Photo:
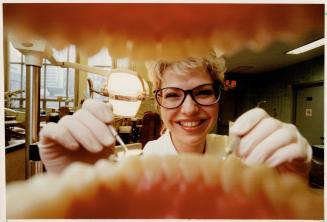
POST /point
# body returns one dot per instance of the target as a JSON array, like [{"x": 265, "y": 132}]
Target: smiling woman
[{"x": 187, "y": 92}]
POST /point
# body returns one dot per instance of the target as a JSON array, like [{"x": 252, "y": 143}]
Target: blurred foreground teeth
[{"x": 171, "y": 186}]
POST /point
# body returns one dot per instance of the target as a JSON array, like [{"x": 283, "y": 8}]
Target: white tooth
[
  {"x": 80, "y": 178},
  {"x": 307, "y": 205},
  {"x": 25, "y": 199},
  {"x": 264, "y": 180},
  {"x": 107, "y": 174},
  {"x": 151, "y": 165},
  {"x": 189, "y": 166},
  {"x": 252, "y": 179},
  {"x": 231, "y": 169},
  {"x": 211, "y": 169},
  {"x": 288, "y": 193},
  {"x": 18, "y": 191},
  {"x": 256, "y": 181},
  {"x": 131, "y": 170},
  {"x": 190, "y": 124},
  {"x": 170, "y": 168},
  {"x": 285, "y": 192}
]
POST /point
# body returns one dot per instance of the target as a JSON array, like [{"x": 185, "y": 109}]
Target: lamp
[
  {"x": 126, "y": 90},
  {"x": 307, "y": 47}
]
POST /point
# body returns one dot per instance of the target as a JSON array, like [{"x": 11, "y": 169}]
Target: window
[
  {"x": 58, "y": 83},
  {"x": 55, "y": 81},
  {"x": 17, "y": 79},
  {"x": 122, "y": 63},
  {"x": 102, "y": 60}
]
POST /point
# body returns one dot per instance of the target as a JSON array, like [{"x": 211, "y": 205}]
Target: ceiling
[{"x": 272, "y": 57}]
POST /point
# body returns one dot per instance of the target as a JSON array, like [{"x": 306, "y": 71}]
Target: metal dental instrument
[
  {"x": 115, "y": 157},
  {"x": 120, "y": 141},
  {"x": 233, "y": 143}
]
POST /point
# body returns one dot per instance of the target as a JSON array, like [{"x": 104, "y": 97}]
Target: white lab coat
[{"x": 163, "y": 145}]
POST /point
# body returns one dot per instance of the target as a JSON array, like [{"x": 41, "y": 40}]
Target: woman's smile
[{"x": 191, "y": 125}]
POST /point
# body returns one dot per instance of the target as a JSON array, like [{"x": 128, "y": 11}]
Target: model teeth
[
  {"x": 300, "y": 204},
  {"x": 284, "y": 194},
  {"x": 170, "y": 168},
  {"x": 20, "y": 194},
  {"x": 107, "y": 174},
  {"x": 211, "y": 170},
  {"x": 230, "y": 168},
  {"x": 252, "y": 179},
  {"x": 131, "y": 170},
  {"x": 80, "y": 178},
  {"x": 151, "y": 165},
  {"x": 291, "y": 193},
  {"x": 190, "y": 124},
  {"x": 190, "y": 171}
]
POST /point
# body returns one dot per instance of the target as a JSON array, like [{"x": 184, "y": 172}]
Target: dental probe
[
  {"x": 233, "y": 143},
  {"x": 120, "y": 141}
]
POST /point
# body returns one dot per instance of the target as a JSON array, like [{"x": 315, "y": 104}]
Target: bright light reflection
[
  {"x": 308, "y": 47},
  {"x": 125, "y": 84},
  {"x": 125, "y": 108}
]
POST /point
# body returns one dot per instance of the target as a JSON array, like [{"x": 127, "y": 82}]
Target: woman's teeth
[{"x": 190, "y": 124}]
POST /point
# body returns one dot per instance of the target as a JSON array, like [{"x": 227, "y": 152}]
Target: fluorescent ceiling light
[{"x": 308, "y": 47}]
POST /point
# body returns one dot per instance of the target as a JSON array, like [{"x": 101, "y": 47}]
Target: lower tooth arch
[{"x": 199, "y": 187}]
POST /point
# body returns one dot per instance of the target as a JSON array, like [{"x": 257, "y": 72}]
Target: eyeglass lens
[{"x": 172, "y": 97}]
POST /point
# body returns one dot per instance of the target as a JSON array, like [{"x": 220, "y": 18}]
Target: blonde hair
[{"x": 213, "y": 65}]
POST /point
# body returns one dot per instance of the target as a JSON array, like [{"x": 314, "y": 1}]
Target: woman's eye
[
  {"x": 204, "y": 93},
  {"x": 171, "y": 95}
]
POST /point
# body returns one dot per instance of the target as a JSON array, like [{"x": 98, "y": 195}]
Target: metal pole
[
  {"x": 34, "y": 51},
  {"x": 33, "y": 85}
]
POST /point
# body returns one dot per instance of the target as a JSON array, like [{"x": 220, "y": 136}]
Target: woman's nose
[{"x": 189, "y": 106}]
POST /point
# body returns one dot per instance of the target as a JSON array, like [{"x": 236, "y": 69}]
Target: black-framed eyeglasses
[{"x": 173, "y": 97}]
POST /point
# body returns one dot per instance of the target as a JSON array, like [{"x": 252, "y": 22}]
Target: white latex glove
[
  {"x": 83, "y": 136},
  {"x": 265, "y": 140}
]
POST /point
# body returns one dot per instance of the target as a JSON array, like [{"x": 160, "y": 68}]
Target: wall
[
  {"x": 15, "y": 164},
  {"x": 277, "y": 87},
  {"x": 149, "y": 103}
]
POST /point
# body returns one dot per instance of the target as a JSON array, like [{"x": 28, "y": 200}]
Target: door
[{"x": 309, "y": 113}]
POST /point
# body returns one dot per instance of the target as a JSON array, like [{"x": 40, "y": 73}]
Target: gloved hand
[
  {"x": 83, "y": 136},
  {"x": 265, "y": 140}
]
